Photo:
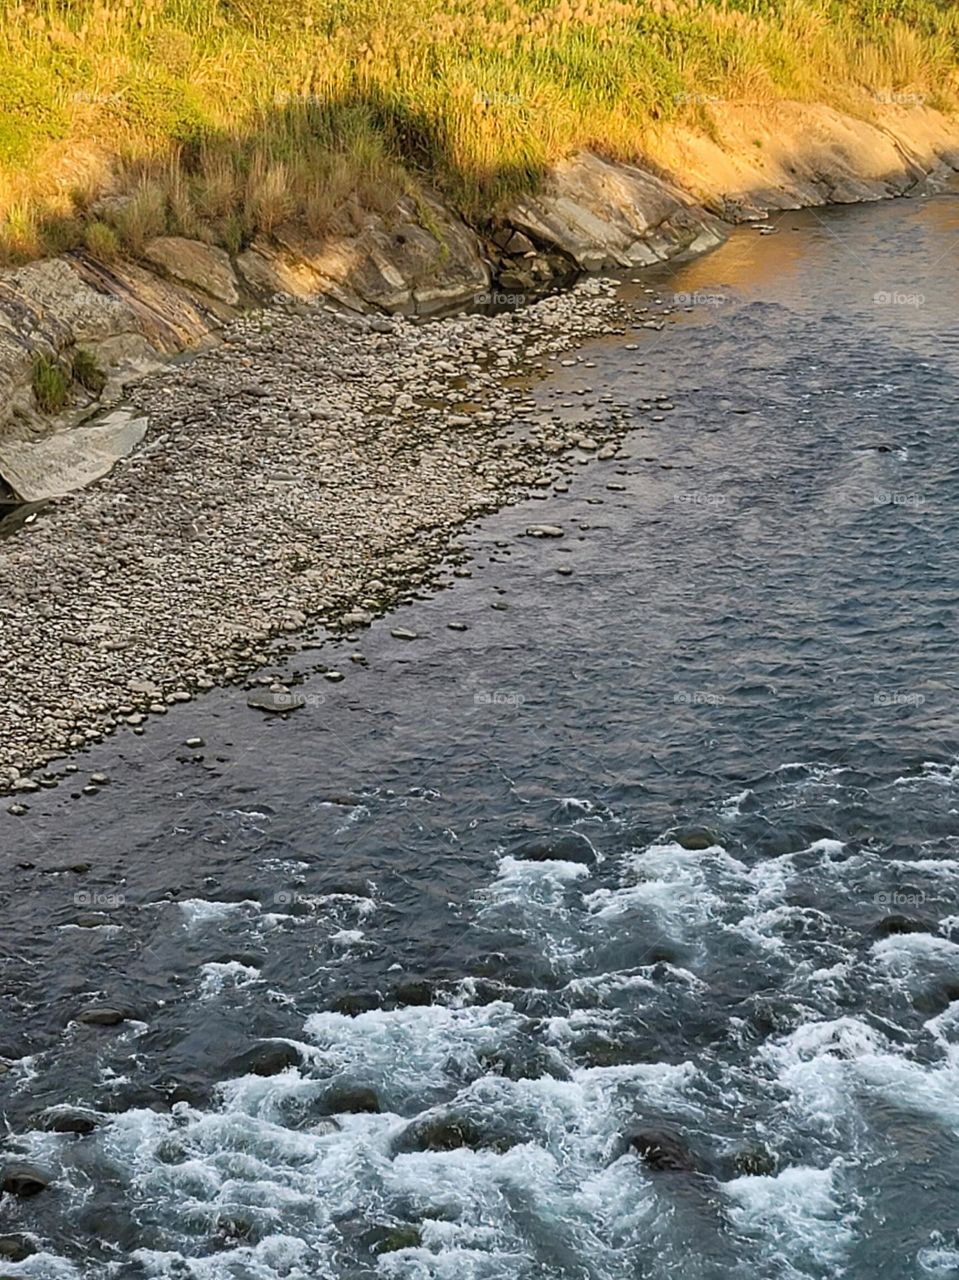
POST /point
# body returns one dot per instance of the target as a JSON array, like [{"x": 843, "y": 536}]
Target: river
[{"x": 609, "y": 932}]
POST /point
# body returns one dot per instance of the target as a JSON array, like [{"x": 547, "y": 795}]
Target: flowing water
[{"x": 663, "y": 845}]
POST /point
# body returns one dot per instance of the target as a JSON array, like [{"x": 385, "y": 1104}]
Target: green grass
[
  {"x": 51, "y": 384},
  {"x": 222, "y": 118}
]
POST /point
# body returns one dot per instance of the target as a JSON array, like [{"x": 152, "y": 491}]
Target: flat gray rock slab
[{"x": 62, "y": 463}]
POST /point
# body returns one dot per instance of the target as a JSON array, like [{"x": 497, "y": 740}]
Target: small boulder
[
  {"x": 101, "y": 1015},
  {"x": 663, "y": 1152},
  {"x": 15, "y": 1248},
  {"x": 569, "y": 846},
  {"x": 267, "y": 1059},
  {"x": 18, "y": 1178},
  {"x": 452, "y": 1133},
  {"x": 275, "y": 701},
  {"x": 67, "y": 1120},
  {"x": 347, "y": 1101},
  {"x": 696, "y": 838},
  {"x": 394, "y": 1238},
  {"x": 755, "y": 1163},
  {"x": 894, "y": 924}
]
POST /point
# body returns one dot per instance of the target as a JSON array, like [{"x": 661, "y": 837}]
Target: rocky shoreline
[
  {"x": 315, "y": 466},
  {"x": 314, "y": 462}
]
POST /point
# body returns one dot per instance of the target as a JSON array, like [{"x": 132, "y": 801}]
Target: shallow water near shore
[{"x": 664, "y": 841}]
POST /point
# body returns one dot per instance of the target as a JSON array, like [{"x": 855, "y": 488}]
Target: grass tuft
[{"x": 51, "y": 384}]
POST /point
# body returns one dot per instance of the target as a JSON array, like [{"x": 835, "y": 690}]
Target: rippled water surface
[{"x": 665, "y": 845}]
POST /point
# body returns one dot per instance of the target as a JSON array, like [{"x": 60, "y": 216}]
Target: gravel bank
[{"x": 315, "y": 466}]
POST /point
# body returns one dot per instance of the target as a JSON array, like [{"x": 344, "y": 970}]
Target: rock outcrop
[{"x": 419, "y": 258}]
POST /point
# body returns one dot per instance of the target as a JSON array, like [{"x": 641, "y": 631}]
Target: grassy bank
[{"x": 222, "y": 118}]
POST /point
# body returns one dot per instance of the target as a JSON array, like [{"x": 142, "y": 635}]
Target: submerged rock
[
  {"x": 267, "y": 1059},
  {"x": 356, "y": 1101},
  {"x": 67, "y": 1120},
  {"x": 451, "y": 1133},
  {"x": 101, "y": 1016},
  {"x": 696, "y": 838},
  {"x": 395, "y": 1238},
  {"x": 275, "y": 701},
  {"x": 664, "y": 1152},
  {"x": 568, "y": 846},
  {"x": 20, "y": 1178},
  {"x": 15, "y": 1247},
  {"x": 755, "y": 1163},
  {"x": 895, "y": 924}
]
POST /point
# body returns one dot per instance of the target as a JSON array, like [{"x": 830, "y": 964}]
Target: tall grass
[{"x": 121, "y": 119}]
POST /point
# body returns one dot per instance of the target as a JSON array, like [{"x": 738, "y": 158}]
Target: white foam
[
  {"x": 200, "y": 911},
  {"x": 797, "y": 1214},
  {"x": 216, "y": 975},
  {"x": 673, "y": 882},
  {"x": 732, "y": 807},
  {"x": 410, "y": 1050},
  {"x": 347, "y": 937},
  {"x": 819, "y": 1064},
  {"x": 911, "y": 950}
]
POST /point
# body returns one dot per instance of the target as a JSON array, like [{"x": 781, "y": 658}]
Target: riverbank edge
[
  {"x": 592, "y": 214},
  {"x": 71, "y": 526}
]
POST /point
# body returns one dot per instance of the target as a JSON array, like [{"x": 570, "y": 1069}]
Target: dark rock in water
[
  {"x": 355, "y": 1002},
  {"x": 529, "y": 1061},
  {"x": 567, "y": 846},
  {"x": 170, "y": 1151},
  {"x": 696, "y": 838},
  {"x": 101, "y": 1015},
  {"x": 351, "y": 1102},
  {"x": 415, "y": 992},
  {"x": 664, "y": 1152},
  {"x": 755, "y": 1163},
  {"x": 267, "y": 1059},
  {"x": 234, "y": 1227},
  {"x": 901, "y": 924},
  {"x": 375, "y": 1238},
  {"x": 936, "y": 999},
  {"x": 394, "y": 1238},
  {"x": 67, "y": 1120},
  {"x": 18, "y": 1178},
  {"x": 451, "y": 1133},
  {"x": 14, "y": 1248}
]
